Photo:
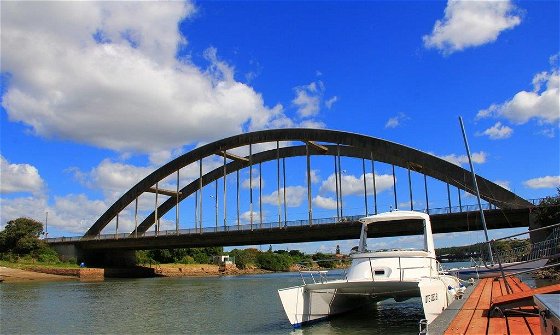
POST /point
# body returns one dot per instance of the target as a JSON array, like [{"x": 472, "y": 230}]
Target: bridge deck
[{"x": 297, "y": 231}]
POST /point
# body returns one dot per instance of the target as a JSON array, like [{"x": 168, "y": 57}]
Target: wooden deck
[{"x": 474, "y": 316}]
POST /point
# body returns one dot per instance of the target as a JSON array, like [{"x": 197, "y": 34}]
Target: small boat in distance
[{"x": 374, "y": 276}]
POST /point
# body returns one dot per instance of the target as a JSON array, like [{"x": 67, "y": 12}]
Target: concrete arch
[{"x": 350, "y": 144}]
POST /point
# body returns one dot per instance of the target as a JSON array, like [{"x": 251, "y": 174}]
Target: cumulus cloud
[
  {"x": 396, "y": 121},
  {"x": 105, "y": 74},
  {"x": 353, "y": 185},
  {"x": 309, "y": 98},
  {"x": 498, "y": 131},
  {"x": 324, "y": 202},
  {"x": 543, "y": 182},
  {"x": 73, "y": 213},
  {"x": 471, "y": 24},
  {"x": 477, "y": 157},
  {"x": 16, "y": 178},
  {"x": 541, "y": 104},
  {"x": 254, "y": 182},
  {"x": 295, "y": 195}
]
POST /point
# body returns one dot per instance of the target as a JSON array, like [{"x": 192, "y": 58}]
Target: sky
[{"x": 96, "y": 95}]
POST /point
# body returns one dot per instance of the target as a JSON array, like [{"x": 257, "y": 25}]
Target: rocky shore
[{"x": 202, "y": 270}]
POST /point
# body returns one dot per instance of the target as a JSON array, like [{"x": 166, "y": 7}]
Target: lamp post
[{"x": 46, "y": 224}]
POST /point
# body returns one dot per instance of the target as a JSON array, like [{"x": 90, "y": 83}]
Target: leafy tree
[
  {"x": 324, "y": 260},
  {"x": 245, "y": 258},
  {"x": 274, "y": 262},
  {"x": 21, "y": 236},
  {"x": 548, "y": 211}
]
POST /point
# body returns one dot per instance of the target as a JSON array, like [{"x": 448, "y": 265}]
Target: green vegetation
[
  {"x": 464, "y": 253},
  {"x": 548, "y": 211},
  {"x": 178, "y": 256},
  {"x": 20, "y": 243},
  {"x": 250, "y": 258}
]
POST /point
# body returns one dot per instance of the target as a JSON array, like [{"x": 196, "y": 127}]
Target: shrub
[{"x": 274, "y": 262}]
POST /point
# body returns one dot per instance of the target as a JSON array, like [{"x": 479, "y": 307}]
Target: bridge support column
[
  {"x": 96, "y": 258},
  {"x": 68, "y": 252}
]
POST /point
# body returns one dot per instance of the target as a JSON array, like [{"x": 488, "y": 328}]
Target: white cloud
[
  {"x": 477, "y": 157},
  {"x": 295, "y": 195},
  {"x": 396, "y": 121},
  {"x": 308, "y": 99},
  {"x": 324, "y": 202},
  {"x": 330, "y": 102},
  {"x": 498, "y": 131},
  {"x": 470, "y": 24},
  {"x": 543, "y": 182},
  {"x": 315, "y": 177},
  {"x": 541, "y": 103},
  {"x": 105, "y": 74},
  {"x": 255, "y": 181},
  {"x": 352, "y": 185},
  {"x": 19, "y": 178},
  {"x": 70, "y": 214}
]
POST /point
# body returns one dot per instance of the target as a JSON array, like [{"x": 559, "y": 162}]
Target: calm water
[{"x": 221, "y": 305}]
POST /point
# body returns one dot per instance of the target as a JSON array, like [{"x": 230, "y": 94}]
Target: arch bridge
[{"x": 190, "y": 176}]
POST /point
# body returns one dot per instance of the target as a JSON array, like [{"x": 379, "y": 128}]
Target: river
[{"x": 216, "y": 305}]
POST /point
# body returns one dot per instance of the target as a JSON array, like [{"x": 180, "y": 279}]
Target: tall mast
[{"x": 477, "y": 191}]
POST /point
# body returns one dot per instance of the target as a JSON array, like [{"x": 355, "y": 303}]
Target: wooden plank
[
  {"x": 513, "y": 285},
  {"x": 521, "y": 284},
  {"x": 517, "y": 326},
  {"x": 479, "y": 321},
  {"x": 497, "y": 325},
  {"x": 460, "y": 323},
  {"x": 534, "y": 324},
  {"x": 525, "y": 295}
]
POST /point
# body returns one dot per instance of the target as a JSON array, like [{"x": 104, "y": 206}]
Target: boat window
[{"x": 379, "y": 272}]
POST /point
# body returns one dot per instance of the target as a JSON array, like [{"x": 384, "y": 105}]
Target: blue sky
[{"x": 96, "y": 95}]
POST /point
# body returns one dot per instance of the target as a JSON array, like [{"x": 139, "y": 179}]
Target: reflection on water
[{"x": 220, "y": 305}]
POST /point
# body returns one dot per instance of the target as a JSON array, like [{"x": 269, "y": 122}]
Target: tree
[
  {"x": 546, "y": 213},
  {"x": 21, "y": 236},
  {"x": 274, "y": 262}
]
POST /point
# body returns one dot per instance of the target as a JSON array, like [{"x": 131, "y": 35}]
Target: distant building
[{"x": 222, "y": 260}]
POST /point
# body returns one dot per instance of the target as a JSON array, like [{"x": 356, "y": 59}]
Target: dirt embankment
[
  {"x": 36, "y": 273},
  {"x": 202, "y": 270},
  {"x": 10, "y": 275}
]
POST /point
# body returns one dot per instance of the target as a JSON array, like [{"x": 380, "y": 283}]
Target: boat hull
[{"x": 315, "y": 302}]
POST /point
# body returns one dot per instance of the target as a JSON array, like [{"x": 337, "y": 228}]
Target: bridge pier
[{"x": 96, "y": 258}]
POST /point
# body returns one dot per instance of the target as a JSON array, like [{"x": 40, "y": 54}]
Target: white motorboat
[{"x": 375, "y": 276}]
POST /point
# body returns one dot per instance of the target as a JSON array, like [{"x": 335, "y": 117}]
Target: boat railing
[{"x": 317, "y": 274}]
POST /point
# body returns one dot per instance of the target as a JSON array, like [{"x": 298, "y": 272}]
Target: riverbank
[
  {"x": 12, "y": 275},
  {"x": 28, "y": 273},
  {"x": 202, "y": 270}
]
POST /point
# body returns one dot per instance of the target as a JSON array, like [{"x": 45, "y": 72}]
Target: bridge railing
[{"x": 269, "y": 225}]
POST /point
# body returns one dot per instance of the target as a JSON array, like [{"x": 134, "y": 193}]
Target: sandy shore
[{"x": 10, "y": 275}]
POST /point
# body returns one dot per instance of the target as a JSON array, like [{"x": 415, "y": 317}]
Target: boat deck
[{"x": 474, "y": 316}]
